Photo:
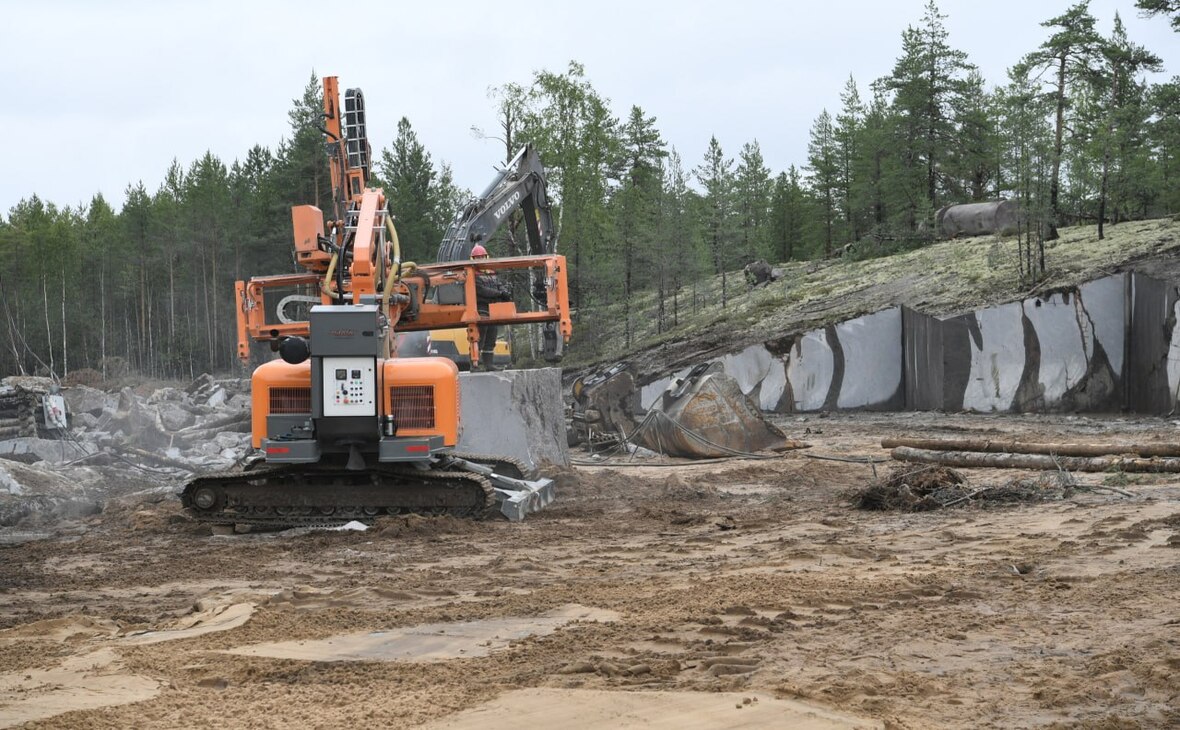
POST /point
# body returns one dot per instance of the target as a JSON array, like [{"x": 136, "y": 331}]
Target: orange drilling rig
[{"x": 345, "y": 430}]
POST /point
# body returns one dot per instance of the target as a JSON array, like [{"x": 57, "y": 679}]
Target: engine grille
[
  {"x": 290, "y": 400},
  {"x": 412, "y": 405}
]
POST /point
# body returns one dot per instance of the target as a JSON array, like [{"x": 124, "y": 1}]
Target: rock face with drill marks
[
  {"x": 1102, "y": 346},
  {"x": 518, "y": 413}
]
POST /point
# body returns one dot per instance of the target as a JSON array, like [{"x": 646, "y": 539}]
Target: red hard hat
[{"x": 478, "y": 250}]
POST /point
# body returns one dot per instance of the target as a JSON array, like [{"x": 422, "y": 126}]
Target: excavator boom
[{"x": 521, "y": 184}]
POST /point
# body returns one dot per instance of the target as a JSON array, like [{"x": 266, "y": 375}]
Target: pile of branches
[{"x": 920, "y": 488}]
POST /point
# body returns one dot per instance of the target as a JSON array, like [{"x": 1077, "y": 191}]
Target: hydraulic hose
[
  {"x": 326, "y": 287},
  {"x": 397, "y": 246},
  {"x": 395, "y": 268}
]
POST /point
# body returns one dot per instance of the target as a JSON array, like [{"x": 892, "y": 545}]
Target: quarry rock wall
[{"x": 1108, "y": 345}]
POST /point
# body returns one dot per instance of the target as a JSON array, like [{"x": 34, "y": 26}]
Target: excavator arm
[{"x": 521, "y": 184}]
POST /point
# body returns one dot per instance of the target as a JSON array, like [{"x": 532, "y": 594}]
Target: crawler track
[{"x": 294, "y": 495}]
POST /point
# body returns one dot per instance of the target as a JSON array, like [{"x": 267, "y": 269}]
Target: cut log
[
  {"x": 1011, "y": 446},
  {"x": 969, "y": 459}
]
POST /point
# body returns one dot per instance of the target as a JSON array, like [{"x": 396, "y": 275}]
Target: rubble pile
[
  {"x": 920, "y": 488},
  {"x": 115, "y": 443}
]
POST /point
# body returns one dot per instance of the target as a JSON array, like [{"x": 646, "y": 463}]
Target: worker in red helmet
[{"x": 488, "y": 288}]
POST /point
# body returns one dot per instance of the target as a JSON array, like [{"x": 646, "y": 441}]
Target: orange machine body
[
  {"x": 307, "y": 221},
  {"x": 422, "y": 394}
]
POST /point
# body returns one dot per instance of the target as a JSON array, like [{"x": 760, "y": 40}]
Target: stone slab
[
  {"x": 872, "y": 347},
  {"x": 518, "y": 413},
  {"x": 1153, "y": 337}
]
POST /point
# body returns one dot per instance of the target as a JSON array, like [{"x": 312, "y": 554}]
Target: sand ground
[{"x": 743, "y": 593}]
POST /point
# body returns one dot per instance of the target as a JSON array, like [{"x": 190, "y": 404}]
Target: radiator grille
[
  {"x": 290, "y": 400},
  {"x": 412, "y": 405}
]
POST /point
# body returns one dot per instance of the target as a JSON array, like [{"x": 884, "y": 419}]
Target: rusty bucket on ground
[{"x": 705, "y": 415}]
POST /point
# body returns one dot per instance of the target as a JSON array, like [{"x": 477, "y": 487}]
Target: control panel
[{"x": 350, "y": 386}]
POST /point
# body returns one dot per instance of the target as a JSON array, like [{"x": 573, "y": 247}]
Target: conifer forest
[{"x": 1075, "y": 133}]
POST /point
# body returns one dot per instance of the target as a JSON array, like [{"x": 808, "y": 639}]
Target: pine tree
[
  {"x": 874, "y": 161},
  {"x": 302, "y": 158},
  {"x": 411, "y": 187},
  {"x": 1164, "y": 135},
  {"x": 847, "y": 133},
  {"x": 169, "y": 234},
  {"x": 715, "y": 174},
  {"x": 1026, "y": 140},
  {"x": 1067, "y": 53},
  {"x": 788, "y": 212},
  {"x": 207, "y": 206},
  {"x": 973, "y": 164},
  {"x": 926, "y": 82},
  {"x": 679, "y": 254},
  {"x": 1170, "y": 8},
  {"x": 1120, "y": 133},
  {"x": 752, "y": 192},
  {"x": 823, "y": 167},
  {"x": 102, "y": 252},
  {"x": 573, "y": 125},
  {"x": 136, "y": 217},
  {"x": 638, "y": 203}
]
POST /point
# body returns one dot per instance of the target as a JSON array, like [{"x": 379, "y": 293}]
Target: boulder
[
  {"x": 759, "y": 272},
  {"x": 30, "y": 383},
  {"x": 30, "y": 449},
  {"x": 30, "y": 491},
  {"x": 1000, "y": 217},
  {"x": 203, "y": 383},
  {"x": 231, "y": 440},
  {"x": 165, "y": 395},
  {"x": 84, "y": 420},
  {"x": 82, "y": 399},
  {"x": 139, "y": 423},
  {"x": 174, "y": 417},
  {"x": 217, "y": 398}
]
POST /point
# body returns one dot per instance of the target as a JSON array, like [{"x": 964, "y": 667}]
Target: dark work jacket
[{"x": 489, "y": 289}]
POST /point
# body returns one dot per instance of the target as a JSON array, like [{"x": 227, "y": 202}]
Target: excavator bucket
[{"x": 705, "y": 415}]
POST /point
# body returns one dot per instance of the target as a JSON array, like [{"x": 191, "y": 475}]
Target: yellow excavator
[{"x": 343, "y": 428}]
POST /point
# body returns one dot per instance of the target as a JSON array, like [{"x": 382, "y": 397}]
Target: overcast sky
[{"x": 101, "y": 94}]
